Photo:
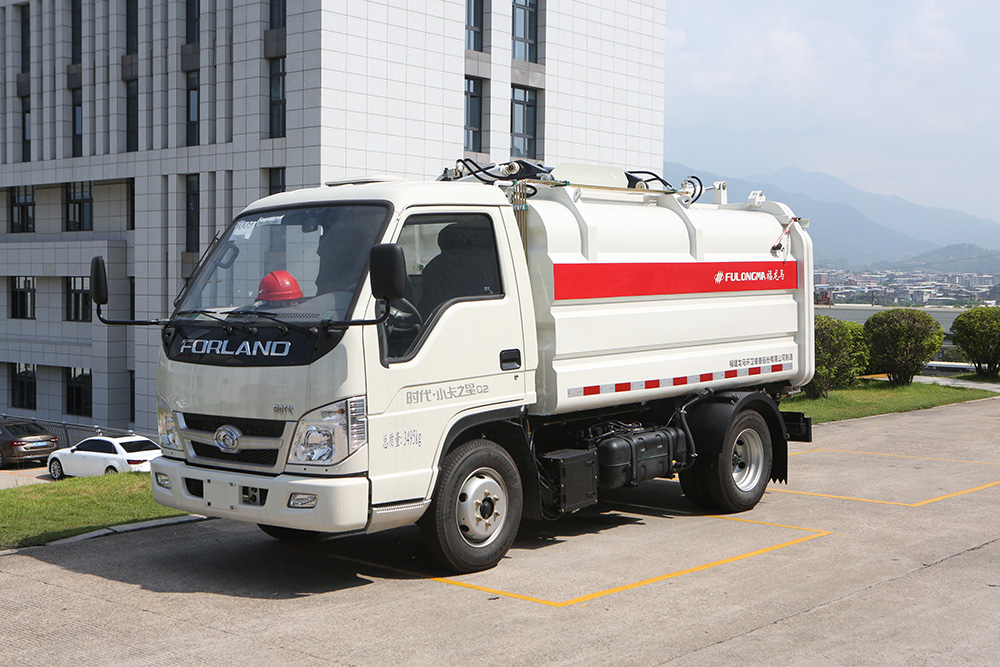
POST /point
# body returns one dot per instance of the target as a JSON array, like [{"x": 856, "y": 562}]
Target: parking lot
[{"x": 884, "y": 548}]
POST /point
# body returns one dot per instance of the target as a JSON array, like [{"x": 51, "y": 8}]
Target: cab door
[{"x": 454, "y": 347}]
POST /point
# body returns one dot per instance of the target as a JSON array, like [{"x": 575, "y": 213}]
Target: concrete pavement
[{"x": 883, "y": 549}]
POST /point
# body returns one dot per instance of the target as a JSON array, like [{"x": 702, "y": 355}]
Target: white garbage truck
[{"x": 507, "y": 341}]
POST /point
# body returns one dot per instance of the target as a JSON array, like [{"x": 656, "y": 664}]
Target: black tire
[
  {"x": 476, "y": 510},
  {"x": 56, "y": 469},
  {"x": 110, "y": 470},
  {"x": 290, "y": 534},
  {"x": 694, "y": 489},
  {"x": 737, "y": 477},
  {"x": 3, "y": 459}
]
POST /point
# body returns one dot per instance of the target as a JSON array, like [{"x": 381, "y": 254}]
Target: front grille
[
  {"x": 256, "y": 428},
  {"x": 257, "y": 457}
]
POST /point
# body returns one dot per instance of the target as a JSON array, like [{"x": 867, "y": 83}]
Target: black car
[{"x": 20, "y": 440}]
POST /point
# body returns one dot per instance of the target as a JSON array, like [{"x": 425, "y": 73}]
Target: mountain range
[{"x": 855, "y": 229}]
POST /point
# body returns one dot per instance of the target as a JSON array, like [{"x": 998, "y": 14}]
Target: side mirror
[
  {"x": 388, "y": 272},
  {"x": 98, "y": 281}
]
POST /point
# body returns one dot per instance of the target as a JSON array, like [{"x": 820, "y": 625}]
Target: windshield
[{"x": 300, "y": 264}]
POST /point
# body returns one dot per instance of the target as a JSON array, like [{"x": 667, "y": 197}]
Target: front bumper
[{"x": 341, "y": 502}]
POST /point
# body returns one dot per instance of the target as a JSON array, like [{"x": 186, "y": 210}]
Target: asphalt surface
[{"x": 883, "y": 549}]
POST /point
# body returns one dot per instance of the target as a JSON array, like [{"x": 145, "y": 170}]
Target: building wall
[{"x": 370, "y": 87}]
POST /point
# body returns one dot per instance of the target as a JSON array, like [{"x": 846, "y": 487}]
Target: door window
[{"x": 449, "y": 258}]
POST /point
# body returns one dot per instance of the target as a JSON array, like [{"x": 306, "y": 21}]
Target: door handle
[{"x": 510, "y": 360}]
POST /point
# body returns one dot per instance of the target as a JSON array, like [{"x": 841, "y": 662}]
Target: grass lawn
[
  {"x": 972, "y": 377},
  {"x": 873, "y": 397},
  {"x": 40, "y": 513}
]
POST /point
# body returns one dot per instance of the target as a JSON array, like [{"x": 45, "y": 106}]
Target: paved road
[
  {"x": 22, "y": 473},
  {"x": 884, "y": 549}
]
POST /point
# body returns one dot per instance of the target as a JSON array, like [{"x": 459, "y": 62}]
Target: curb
[
  {"x": 115, "y": 530},
  {"x": 129, "y": 528}
]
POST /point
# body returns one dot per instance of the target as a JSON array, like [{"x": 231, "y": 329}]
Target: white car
[{"x": 103, "y": 455}]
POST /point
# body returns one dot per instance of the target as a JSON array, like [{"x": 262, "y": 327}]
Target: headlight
[
  {"x": 166, "y": 423},
  {"x": 330, "y": 434}
]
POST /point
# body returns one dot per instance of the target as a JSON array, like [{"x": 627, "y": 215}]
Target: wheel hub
[
  {"x": 480, "y": 507},
  {"x": 748, "y": 460}
]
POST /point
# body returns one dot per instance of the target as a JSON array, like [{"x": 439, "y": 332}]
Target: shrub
[
  {"x": 901, "y": 341},
  {"x": 841, "y": 355},
  {"x": 977, "y": 332},
  {"x": 954, "y": 354}
]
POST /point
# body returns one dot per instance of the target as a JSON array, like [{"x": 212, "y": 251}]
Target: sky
[{"x": 893, "y": 96}]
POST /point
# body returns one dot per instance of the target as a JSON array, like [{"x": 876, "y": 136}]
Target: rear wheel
[
  {"x": 289, "y": 534},
  {"x": 110, "y": 470},
  {"x": 736, "y": 478},
  {"x": 56, "y": 469},
  {"x": 476, "y": 510}
]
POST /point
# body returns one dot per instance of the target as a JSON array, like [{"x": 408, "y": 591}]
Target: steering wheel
[{"x": 403, "y": 316}]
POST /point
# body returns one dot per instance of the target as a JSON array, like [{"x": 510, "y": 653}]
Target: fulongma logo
[
  {"x": 772, "y": 275},
  {"x": 271, "y": 348}
]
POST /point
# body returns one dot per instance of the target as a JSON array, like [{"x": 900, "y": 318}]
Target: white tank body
[{"x": 638, "y": 296}]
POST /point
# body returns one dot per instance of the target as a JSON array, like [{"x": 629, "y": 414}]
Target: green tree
[
  {"x": 841, "y": 355},
  {"x": 901, "y": 341},
  {"x": 977, "y": 332}
]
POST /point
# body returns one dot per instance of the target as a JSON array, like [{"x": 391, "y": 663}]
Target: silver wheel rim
[
  {"x": 55, "y": 469},
  {"x": 481, "y": 507},
  {"x": 748, "y": 460}
]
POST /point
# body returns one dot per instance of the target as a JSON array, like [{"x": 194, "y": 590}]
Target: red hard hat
[{"x": 278, "y": 286}]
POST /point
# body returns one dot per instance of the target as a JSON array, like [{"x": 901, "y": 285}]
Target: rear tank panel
[{"x": 638, "y": 296}]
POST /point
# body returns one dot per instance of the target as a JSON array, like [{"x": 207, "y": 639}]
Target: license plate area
[{"x": 221, "y": 495}]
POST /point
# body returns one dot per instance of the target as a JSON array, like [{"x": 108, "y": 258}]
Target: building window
[
  {"x": 131, "y": 297},
  {"x": 192, "y": 16},
  {"x": 523, "y": 123},
  {"x": 23, "y": 385},
  {"x": 77, "y": 299},
  {"x": 525, "y": 30},
  {"x": 25, "y": 129},
  {"x": 192, "y": 108},
  {"x": 76, "y": 29},
  {"x": 131, "y": 396},
  {"x": 131, "y": 26},
  {"x": 132, "y": 115},
  {"x": 130, "y": 213},
  {"x": 79, "y": 207},
  {"x": 277, "y": 67},
  {"x": 77, "y": 122},
  {"x": 22, "y": 298},
  {"x": 278, "y": 13},
  {"x": 79, "y": 392},
  {"x": 191, "y": 221},
  {"x": 275, "y": 180},
  {"x": 473, "y": 115},
  {"x": 25, "y": 38},
  {"x": 22, "y": 210},
  {"x": 474, "y": 25}
]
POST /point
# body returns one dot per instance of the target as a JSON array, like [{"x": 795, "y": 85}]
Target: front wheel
[
  {"x": 736, "y": 478},
  {"x": 56, "y": 469},
  {"x": 476, "y": 510}
]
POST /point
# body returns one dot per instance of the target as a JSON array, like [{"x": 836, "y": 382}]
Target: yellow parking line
[
  {"x": 592, "y": 596},
  {"x": 952, "y": 495},
  {"x": 829, "y": 495}
]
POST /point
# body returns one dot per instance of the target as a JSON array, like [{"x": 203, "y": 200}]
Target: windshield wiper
[
  {"x": 226, "y": 325},
  {"x": 284, "y": 326}
]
